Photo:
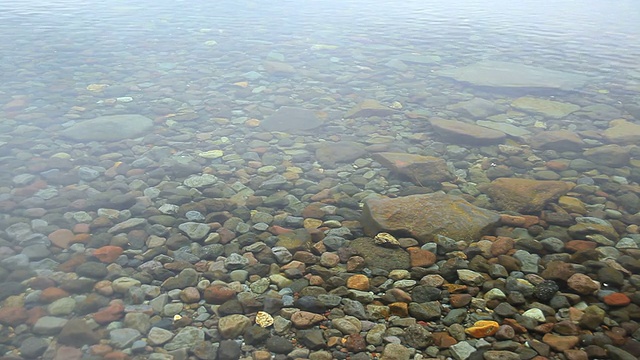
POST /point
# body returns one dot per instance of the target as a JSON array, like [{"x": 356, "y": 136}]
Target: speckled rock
[
  {"x": 525, "y": 195},
  {"x": 426, "y": 216}
]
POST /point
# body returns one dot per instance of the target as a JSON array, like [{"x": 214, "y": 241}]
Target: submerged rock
[
  {"x": 421, "y": 170},
  {"x": 461, "y": 132},
  {"x": 554, "y": 109},
  {"x": 623, "y": 132},
  {"x": 287, "y": 119},
  {"x": 525, "y": 195},
  {"x": 109, "y": 128},
  {"x": 423, "y": 217},
  {"x": 514, "y": 75}
]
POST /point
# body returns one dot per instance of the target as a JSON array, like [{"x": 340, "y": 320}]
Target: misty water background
[{"x": 52, "y": 45}]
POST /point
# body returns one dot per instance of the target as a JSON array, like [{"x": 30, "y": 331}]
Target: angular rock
[
  {"x": 421, "y": 170},
  {"x": 423, "y": 217},
  {"x": 381, "y": 257},
  {"x": 559, "y": 140},
  {"x": 525, "y": 195},
  {"x": 287, "y": 119},
  {"x": 504, "y": 74},
  {"x": 76, "y": 332},
  {"x": 368, "y": 108},
  {"x": 548, "y": 108},
  {"x": 467, "y": 133},
  {"x": 623, "y": 132},
  {"x": 330, "y": 153}
]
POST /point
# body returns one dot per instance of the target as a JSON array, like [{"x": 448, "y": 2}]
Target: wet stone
[
  {"x": 33, "y": 347},
  {"x": 123, "y": 338}
]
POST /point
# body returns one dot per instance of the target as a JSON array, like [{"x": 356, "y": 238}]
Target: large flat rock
[
  {"x": 425, "y": 216},
  {"x": 421, "y": 170},
  {"x": 109, "y": 128},
  {"x": 291, "y": 119},
  {"x": 460, "y": 132},
  {"x": 525, "y": 196},
  {"x": 513, "y": 75}
]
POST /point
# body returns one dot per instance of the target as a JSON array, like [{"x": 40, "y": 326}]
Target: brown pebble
[
  {"x": 218, "y": 294},
  {"x": 505, "y": 332},
  {"x": 443, "y": 340},
  {"x": 355, "y": 343},
  {"x": 61, "y": 238},
  {"x": 13, "y": 315},
  {"x": 111, "y": 313},
  {"x": 400, "y": 309},
  {"x": 305, "y": 319},
  {"x": 559, "y": 342},
  {"x": 358, "y": 282},
  {"x": 460, "y": 300},
  {"x": 52, "y": 294},
  {"x": 190, "y": 295},
  {"x": 582, "y": 284},
  {"x": 420, "y": 257},
  {"x": 108, "y": 254},
  {"x": 502, "y": 246}
]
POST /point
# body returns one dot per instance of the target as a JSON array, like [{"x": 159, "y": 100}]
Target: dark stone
[
  {"x": 312, "y": 339},
  {"x": 77, "y": 333},
  {"x": 33, "y": 347},
  {"x": 546, "y": 290},
  {"x": 92, "y": 269},
  {"x": 230, "y": 307},
  {"x": 417, "y": 336},
  {"x": 256, "y": 335},
  {"x": 10, "y": 288},
  {"x": 311, "y": 304},
  {"x": 423, "y": 293},
  {"x": 279, "y": 345},
  {"x": 229, "y": 350}
]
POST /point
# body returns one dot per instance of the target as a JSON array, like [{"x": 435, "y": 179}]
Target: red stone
[
  {"x": 278, "y": 230},
  {"x": 218, "y": 294},
  {"x": 108, "y": 254},
  {"x": 35, "y": 314},
  {"x": 502, "y": 246},
  {"x": 355, "y": 343},
  {"x": 617, "y": 299},
  {"x": 420, "y": 257},
  {"x": 580, "y": 245},
  {"x": 116, "y": 355},
  {"x": 111, "y": 313},
  {"x": 52, "y": 294},
  {"x": 13, "y": 315},
  {"x": 61, "y": 238}
]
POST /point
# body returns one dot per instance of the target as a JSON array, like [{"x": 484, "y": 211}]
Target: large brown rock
[
  {"x": 425, "y": 216},
  {"x": 462, "y": 132},
  {"x": 421, "y": 170},
  {"x": 623, "y": 132},
  {"x": 559, "y": 140},
  {"x": 525, "y": 196}
]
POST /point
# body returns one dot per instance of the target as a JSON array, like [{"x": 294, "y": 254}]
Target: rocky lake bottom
[{"x": 341, "y": 197}]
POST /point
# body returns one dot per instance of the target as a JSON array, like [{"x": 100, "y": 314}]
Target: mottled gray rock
[
  {"x": 288, "y": 119},
  {"x": 514, "y": 75},
  {"x": 158, "y": 336},
  {"x": 186, "y": 338},
  {"x": 109, "y": 128},
  {"x": 194, "y": 230},
  {"x": 49, "y": 325},
  {"x": 33, "y": 347},
  {"x": 123, "y": 338}
]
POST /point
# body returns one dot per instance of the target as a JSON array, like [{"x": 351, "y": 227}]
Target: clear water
[{"x": 65, "y": 45}]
